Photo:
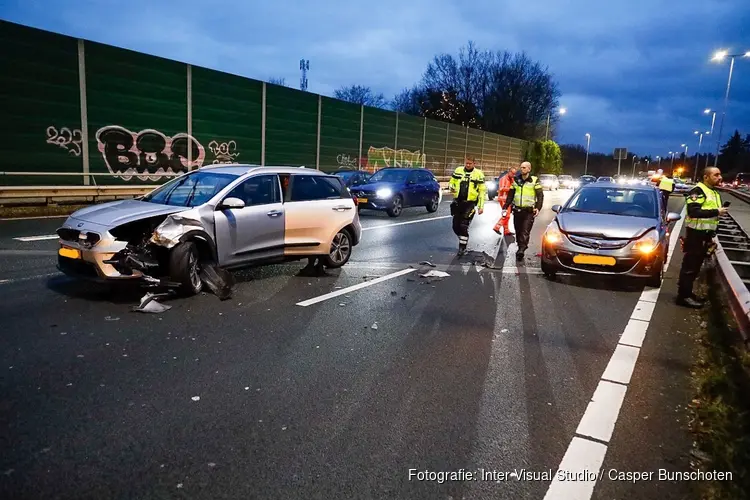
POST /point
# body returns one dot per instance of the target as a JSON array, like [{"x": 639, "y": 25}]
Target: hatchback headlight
[
  {"x": 647, "y": 243},
  {"x": 384, "y": 193},
  {"x": 552, "y": 234}
]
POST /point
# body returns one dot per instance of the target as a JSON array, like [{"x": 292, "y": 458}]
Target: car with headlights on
[
  {"x": 586, "y": 179},
  {"x": 392, "y": 189},
  {"x": 567, "y": 181},
  {"x": 226, "y": 216},
  {"x": 549, "y": 181},
  {"x": 609, "y": 229}
]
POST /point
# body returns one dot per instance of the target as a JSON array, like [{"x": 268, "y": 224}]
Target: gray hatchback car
[
  {"x": 227, "y": 215},
  {"x": 609, "y": 229}
]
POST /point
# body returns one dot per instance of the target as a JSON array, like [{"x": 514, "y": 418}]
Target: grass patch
[{"x": 720, "y": 410}]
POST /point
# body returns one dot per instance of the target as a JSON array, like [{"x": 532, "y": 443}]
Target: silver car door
[{"x": 256, "y": 231}]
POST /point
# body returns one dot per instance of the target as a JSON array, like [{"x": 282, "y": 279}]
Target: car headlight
[
  {"x": 647, "y": 243},
  {"x": 491, "y": 185},
  {"x": 552, "y": 234},
  {"x": 384, "y": 193}
]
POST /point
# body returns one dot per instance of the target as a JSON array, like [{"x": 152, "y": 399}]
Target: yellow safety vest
[
  {"x": 710, "y": 200},
  {"x": 666, "y": 184},
  {"x": 477, "y": 189},
  {"x": 525, "y": 195}
]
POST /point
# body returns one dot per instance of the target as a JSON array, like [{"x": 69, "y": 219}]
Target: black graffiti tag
[{"x": 147, "y": 151}]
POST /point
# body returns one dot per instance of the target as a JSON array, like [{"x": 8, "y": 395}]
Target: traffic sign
[{"x": 620, "y": 154}]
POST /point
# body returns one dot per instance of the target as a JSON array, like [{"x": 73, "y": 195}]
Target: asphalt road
[{"x": 259, "y": 397}]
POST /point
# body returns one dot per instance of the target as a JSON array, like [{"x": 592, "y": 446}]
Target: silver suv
[{"x": 227, "y": 215}]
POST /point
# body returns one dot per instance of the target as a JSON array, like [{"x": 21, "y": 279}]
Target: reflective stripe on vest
[
  {"x": 666, "y": 184},
  {"x": 525, "y": 196},
  {"x": 711, "y": 201}
]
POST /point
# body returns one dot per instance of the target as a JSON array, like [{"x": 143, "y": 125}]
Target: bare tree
[
  {"x": 409, "y": 101},
  {"x": 278, "y": 81},
  {"x": 358, "y": 94},
  {"x": 512, "y": 95}
]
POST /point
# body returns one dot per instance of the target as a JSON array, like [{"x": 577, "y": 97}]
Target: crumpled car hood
[{"x": 116, "y": 213}]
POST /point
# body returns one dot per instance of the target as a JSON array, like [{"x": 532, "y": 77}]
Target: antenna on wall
[{"x": 304, "y": 66}]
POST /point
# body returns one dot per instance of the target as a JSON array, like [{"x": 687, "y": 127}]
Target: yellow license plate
[
  {"x": 70, "y": 253},
  {"x": 598, "y": 260},
  {"x": 361, "y": 200}
]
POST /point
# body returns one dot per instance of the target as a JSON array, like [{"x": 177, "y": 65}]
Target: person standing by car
[
  {"x": 503, "y": 188},
  {"x": 526, "y": 195},
  {"x": 666, "y": 186},
  {"x": 703, "y": 210},
  {"x": 468, "y": 188}
]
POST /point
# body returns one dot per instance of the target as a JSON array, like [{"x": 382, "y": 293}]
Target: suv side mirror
[
  {"x": 673, "y": 217},
  {"x": 229, "y": 203},
  {"x": 556, "y": 208}
]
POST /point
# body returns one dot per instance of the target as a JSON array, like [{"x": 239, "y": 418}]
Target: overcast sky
[{"x": 634, "y": 73}]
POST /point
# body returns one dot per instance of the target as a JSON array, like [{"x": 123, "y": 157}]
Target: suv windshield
[
  {"x": 387, "y": 175},
  {"x": 614, "y": 201},
  {"x": 190, "y": 190}
]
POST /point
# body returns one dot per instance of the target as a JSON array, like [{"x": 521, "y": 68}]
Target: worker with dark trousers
[
  {"x": 666, "y": 186},
  {"x": 704, "y": 207},
  {"x": 526, "y": 195},
  {"x": 469, "y": 191}
]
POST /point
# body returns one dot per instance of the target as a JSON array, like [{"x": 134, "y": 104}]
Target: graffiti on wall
[
  {"x": 147, "y": 153},
  {"x": 224, "y": 152},
  {"x": 347, "y": 161},
  {"x": 388, "y": 157},
  {"x": 69, "y": 140}
]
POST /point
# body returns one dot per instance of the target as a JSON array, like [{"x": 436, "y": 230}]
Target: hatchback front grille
[{"x": 597, "y": 243}]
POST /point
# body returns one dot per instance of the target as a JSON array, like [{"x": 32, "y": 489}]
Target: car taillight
[{"x": 356, "y": 201}]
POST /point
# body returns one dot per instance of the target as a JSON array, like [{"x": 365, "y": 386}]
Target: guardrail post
[
  {"x": 263, "y": 128},
  {"x": 497, "y": 154},
  {"x": 484, "y": 134},
  {"x": 395, "y": 144},
  {"x": 84, "y": 111},
  {"x": 466, "y": 143},
  {"x": 317, "y": 151}
]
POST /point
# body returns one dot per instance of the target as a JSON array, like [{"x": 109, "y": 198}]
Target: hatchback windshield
[
  {"x": 614, "y": 201},
  {"x": 191, "y": 190},
  {"x": 387, "y": 175}
]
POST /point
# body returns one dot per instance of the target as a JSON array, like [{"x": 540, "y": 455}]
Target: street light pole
[
  {"x": 588, "y": 146},
  {"x": 672, "y": 166},
  {"x": 562, "y": 112},
  {"x": 719, "y": 56},
  {"x": 713, "y": 120},
  {"x": 697, "y": 155}
]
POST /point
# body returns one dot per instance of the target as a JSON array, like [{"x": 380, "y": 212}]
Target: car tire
[
  {"x": 656, "y": 279},
  {"x": 184, "y": 268},
  {"x": 549, "y": 271},
  {"x": 397, "y": 206},
  {"x": 434, "y": 204},
  {"x": 341, "y": 250}
]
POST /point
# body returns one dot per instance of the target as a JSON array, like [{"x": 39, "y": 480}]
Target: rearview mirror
[
  {"x": 673, "y": 217},
  {"x": 232, "y": 203},
  {"x": 556, "y": 208}
]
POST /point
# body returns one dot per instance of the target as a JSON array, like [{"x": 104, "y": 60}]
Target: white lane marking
[
  {"x": 621, "y": 364},
  {"x": 643, "y": 310},
  {"x": 28, "y": 278},
  {"x": 599, "y": 419},
  {"x": 601, "y": 414},
  {"x": 36, "y": 217},
  {"x": 634, "y": 333},
  {"x": 38, "y": 238},
  {"x": 353, "y": 288},
  {"x": 407, "y": 222},
  {"x": 583, "y": 457}
]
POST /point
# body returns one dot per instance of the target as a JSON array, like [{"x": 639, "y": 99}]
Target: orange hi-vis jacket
[{"x": 503, "y": 187}]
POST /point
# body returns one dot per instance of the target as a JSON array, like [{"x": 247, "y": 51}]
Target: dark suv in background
[{"x": 393, "y": 189}]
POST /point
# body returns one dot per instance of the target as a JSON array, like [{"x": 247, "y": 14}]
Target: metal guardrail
[{"x": 732, "y": 257}]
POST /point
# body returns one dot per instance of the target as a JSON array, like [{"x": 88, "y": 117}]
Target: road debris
[
  {"x": 435, "y": 274},
  {"x": 374, "y": 326},
  {"x": 110, "y": 318},
  {"x": 149, "y": 304},
  {"x": 427, "y": 263},
  {"x": 219, "y": 280},
  {"x": 196, "y": 398}
]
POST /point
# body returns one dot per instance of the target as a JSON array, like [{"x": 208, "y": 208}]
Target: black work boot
[
  {"x": 688, "y": 302},
  {"x": 461, "y": 250}
]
